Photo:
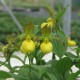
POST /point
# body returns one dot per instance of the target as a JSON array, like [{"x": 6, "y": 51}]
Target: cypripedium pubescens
[
  {"x": 46, "y": 46},
  {"x": 27, "y": 46},
  {"x": 50, "y": 23},
  {"x": 71, "y": 43}
]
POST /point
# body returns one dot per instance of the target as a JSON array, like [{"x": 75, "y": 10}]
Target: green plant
[{"x": 32, "y": 43}]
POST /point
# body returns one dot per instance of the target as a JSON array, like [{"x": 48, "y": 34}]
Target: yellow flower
[
  {"x": 71, "y": 43},
  {"x": 27, "y": 46},
  {"x": 51, "y": 22},
  {"x": 22, "y": 50},
  {"x": 43, "y": 25},
  {"x": 46, "y": 47}
]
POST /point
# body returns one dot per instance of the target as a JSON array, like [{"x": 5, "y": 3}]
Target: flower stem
[
  {"x": 25, "y": 59},
  {"x": 10, "y": 67}
]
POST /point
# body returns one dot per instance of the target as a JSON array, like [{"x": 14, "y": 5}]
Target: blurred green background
[{"x": 7, "y": 25}]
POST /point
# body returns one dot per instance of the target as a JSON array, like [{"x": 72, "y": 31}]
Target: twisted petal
[
  {"x": 44, "y": 25},
  {"x": 51, "y": 22}
]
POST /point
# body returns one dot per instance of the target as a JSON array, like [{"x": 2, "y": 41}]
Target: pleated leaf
[{"x": 60, "y": 44}]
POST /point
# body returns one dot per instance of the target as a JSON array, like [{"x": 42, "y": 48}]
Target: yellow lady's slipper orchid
[
  {"x": 46, "y": 47},
  {"x": 27, "y": 46},
  {"x": 50, "y": 23},
  {"x": 71, "y": 43}
]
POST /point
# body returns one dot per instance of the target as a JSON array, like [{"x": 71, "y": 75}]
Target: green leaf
[
  {"x": 64, "y": 65},
  {"x": 39, "y": 55},
  {"x": 41, "y": 69},
  {"x": 78, "y": 64},
  {"x": 59, "y": 44},
  {"x": 45, "y": 78},
  {"x": 53, "y": 70},
  {"x": 36, "y": 29},
  {"x": 51, "y": 76},
  {"x": 29, "y": 73},
  {"x": 73, "y": 76},
  {"x": 60, "y": 14},
  {"x": 51, "y": 11},
  {"x": 67, "y": 75},
  {"x": 4, "y": 75},
  {"x": 17, "y": 77},
  {"x": 33, "y": 72},
  {"x": 71, "y": 56},
  {"x": 2, "y": 79},
  {"x": 60, "y": 68},
  {"x": 78, "y": 50}
]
